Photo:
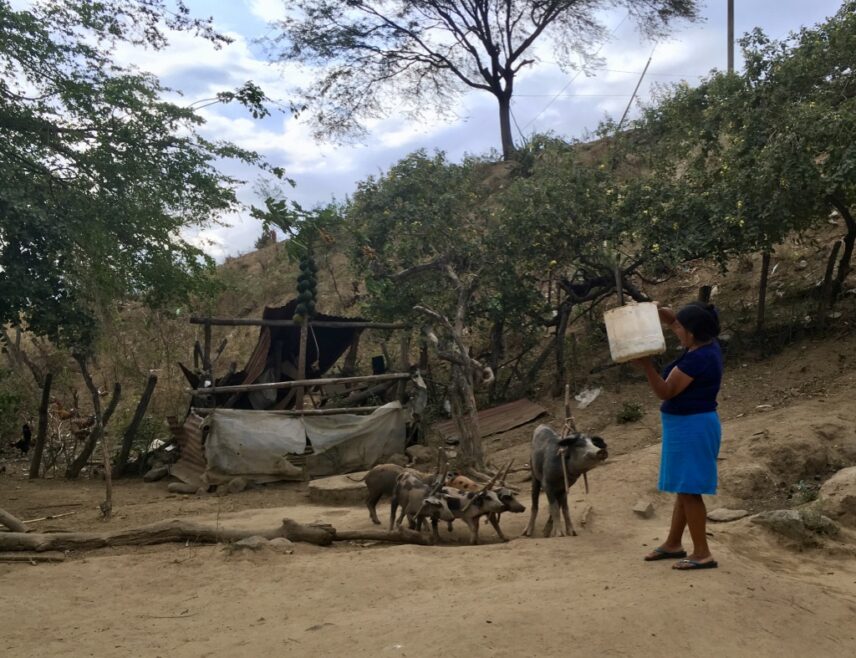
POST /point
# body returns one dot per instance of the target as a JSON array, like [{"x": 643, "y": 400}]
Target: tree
[
  {"x": 426, "y": 52},
  {"x": 98, "y": 175},
  {"x": 742, "y": 160}
]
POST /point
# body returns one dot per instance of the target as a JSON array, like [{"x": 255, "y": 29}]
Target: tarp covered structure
[
  {"x": 274, "y": 359},
  {"x": 263, "y": 446}
]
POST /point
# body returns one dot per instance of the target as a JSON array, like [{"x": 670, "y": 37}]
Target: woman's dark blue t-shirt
[{"x": 704, "y": 365}]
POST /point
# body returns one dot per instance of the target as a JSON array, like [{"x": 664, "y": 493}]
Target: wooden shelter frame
[{"x": 302, "y": 383}]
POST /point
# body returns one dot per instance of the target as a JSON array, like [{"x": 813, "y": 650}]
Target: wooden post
[
  {"x": 350, "y": 365},
  {"x": 131, "y": 430},
  {"x": 704, "y": 293},
  {"x": 301, "y": 363},
  {"x": 36, "y": 462},
  {"x": 730, "y": 18},
  {"x": 403, "y": 365},
  {"x": 619, "y": 285},
  {"x": 206, "y": 351}
]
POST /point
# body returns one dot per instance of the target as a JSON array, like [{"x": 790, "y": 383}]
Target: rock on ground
[
  {"x": 421, "y": 454},
  {"x": 236, "y": 485},
  {"x": 282, "y": 545},
  {"x": 838, "y": 496},
  {"x": 338, "y": 490},
  {"x": 803, "y": 526},
  {"x": 156, "y": 474},
  {"x": 254, "y": 543},
  {"x": 398, "y": 460},
  {"x": 644, "y": 508},
  {"x": 723, "y": 514}
]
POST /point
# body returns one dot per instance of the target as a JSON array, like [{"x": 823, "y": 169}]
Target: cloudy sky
[{"x": 546, "y": 99}]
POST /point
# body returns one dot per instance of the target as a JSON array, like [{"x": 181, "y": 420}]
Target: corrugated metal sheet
[
  {"x": 191, "y": 463},
  {"x": 498, "y": 419}
]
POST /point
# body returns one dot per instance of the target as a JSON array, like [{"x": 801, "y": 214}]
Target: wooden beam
[
  {"x": 246, "y": 388},
  {"x": 201, "y": 411},
  {"x": 330, "y": 324}
]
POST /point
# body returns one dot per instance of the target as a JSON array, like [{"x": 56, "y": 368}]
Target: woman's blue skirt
[{"x": 688, "y": 457}]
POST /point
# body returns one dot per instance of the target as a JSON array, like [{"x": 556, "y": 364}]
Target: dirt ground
[{"x": 585, "y": 595}]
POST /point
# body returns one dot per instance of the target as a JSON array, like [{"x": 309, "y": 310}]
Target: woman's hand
[
  {"x": 667, "y": 315},
  {"x": 641, "y": 363}
]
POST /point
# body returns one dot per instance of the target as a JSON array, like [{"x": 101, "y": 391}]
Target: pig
[
  {"x": 380, "y": 482},
  {"x": 551, "y": 457},
  {"x": 419, "y": 501},
  {"x": 506, "y": 495},
  {"x": 469, "y": 506}
]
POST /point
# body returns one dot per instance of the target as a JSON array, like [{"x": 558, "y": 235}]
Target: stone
[
  {"x": 156, "y": 474},
  {"x": 724, "y": 515},
  {"x": 254, "y": 543},
  {"x": 398, "y": 460},
  {"x": 282, "y": 545},
  {"x": 338, "y": 490},
  {"x": 801, "y": 265},
  {"x": 182, "y": 488},
  {"x": 236, "y": 485},
  {"x": 585, "y": 514},
  {"x": 838, "y": 496},
  {"x": 644, "y": 508},
  {"x": 421, "y": 454},
  {"x": 802, "y": 526}
]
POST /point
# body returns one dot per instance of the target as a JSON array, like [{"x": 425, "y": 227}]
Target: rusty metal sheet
[
  {"x": 191, "y": 463},
  {"x": 498, "y": 419}
]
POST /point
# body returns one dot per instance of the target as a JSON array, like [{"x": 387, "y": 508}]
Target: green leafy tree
[
  {"x": 99, "y": 176},
  {"x": 742, "y": 160},
  {"x": 426, "y": 52}
]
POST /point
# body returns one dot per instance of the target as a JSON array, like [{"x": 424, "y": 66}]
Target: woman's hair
[{"x": 701, "y": 319}]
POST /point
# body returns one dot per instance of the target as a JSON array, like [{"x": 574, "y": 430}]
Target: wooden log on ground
[
  {"x": 53, "y": 556},
  {"x": 163, "y": 532},
  {"x": 186, "y": 531},
  {"x": 12, "y": 522},
  {"x": 399, "y": 536},
  {"x": 320, "y": 535}
]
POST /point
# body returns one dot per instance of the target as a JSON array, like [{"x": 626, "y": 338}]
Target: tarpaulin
[{"x": 256, "y": 445}]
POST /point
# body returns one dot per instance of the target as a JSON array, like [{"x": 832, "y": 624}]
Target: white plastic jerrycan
[{"x": 634, "y": 331}]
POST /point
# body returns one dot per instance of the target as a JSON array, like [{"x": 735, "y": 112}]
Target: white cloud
[{"x": 267, "y": 10}]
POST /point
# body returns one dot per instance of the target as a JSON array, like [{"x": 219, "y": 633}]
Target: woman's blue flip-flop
[
  {"x": 662, "y": 554},
  {"x": 692, "y": 565}
]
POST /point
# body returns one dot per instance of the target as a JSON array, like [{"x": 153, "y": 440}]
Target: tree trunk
[
  {"x": 762, "y": 291},
  {"x": 465, "y": 413},
  {"x": 561, "y": 330},
  {"x": 12, "y": 522},
  {"x": 826, "y": 287},
  {"x": 82, "y": 459},
  {"x": 505, "y": 126},
  {"x": 98, "y": 432},
  {"x": 497, "y": 353},
  {"x": 847, "y": 254},
  {"x": 38, "y": 450},
  {"x": 134, "y": 425},
  {"x": 18, "y": 356}
]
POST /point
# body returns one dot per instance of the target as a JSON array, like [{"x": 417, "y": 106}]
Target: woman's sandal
[{"x": 663, "y": 554}]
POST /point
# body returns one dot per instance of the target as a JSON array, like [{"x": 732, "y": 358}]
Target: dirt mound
[{"x": 771, "y": 456}]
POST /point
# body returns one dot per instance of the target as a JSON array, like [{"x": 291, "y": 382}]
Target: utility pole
[{"x": 731, "y": 36}]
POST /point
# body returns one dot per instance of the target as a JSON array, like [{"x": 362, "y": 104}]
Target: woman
[{"x": 691, "y": 431}]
